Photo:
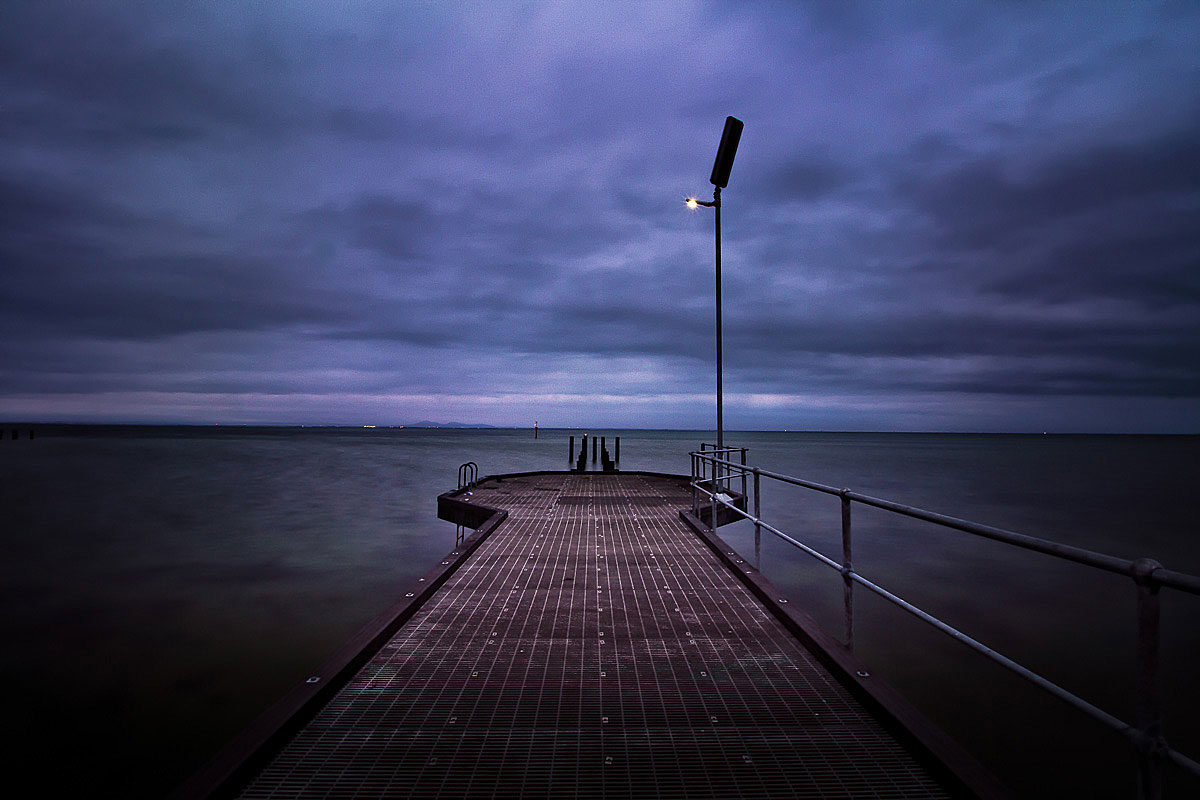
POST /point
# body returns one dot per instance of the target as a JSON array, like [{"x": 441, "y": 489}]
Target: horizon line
[{"x": 486, "y": 426}]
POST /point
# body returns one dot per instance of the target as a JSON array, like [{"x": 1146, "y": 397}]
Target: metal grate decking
[{"x": 592, "y": 646}]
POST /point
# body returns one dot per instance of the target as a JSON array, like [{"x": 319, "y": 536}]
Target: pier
[{"x": 592, "y": 638}]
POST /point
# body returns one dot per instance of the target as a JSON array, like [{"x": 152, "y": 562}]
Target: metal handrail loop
[{"x": 468, "y": 474}]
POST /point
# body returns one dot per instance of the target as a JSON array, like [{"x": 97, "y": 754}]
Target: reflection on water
[{"x": 163, "y": 587}]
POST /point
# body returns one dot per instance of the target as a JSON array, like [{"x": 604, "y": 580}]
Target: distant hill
[{"x": 427, "y": 424}]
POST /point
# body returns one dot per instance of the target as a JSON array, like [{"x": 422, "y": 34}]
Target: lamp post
[{"x": 720, "y": 179}]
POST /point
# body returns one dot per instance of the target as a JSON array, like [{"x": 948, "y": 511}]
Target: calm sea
[{"x": 163, "y": 586}]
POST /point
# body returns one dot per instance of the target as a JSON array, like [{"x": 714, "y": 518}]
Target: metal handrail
[
  {"x": 711, "y": 448},
  {"x": 1146, "y": 573},
  {"x": 1160, "y": 576},
  {"x": 468, "y": 473}
]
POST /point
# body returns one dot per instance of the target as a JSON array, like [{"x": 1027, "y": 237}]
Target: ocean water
[{"x": 163, "y": 586}]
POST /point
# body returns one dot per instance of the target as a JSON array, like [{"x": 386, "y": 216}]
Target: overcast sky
[{"x": 943, "y": 216}]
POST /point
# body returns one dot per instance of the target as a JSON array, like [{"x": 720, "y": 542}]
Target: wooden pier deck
[{"x": 592, "y": 644}]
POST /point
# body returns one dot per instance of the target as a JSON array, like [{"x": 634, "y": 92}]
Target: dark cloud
[
  {"x": 391, "y": 226},
  {"x": 806, "y": 179},
  {"x": 75, "y": 264},
  {"x": 982, "y": 203},
  {"x": 991, "y": 211}
]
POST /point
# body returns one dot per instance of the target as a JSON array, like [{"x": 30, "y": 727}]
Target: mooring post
[
  {"x": 1151, "y": 745},
  {"x": 535, "y": 429},
  {"x": 847, "y": 568},
  {"x": 571, "y": 451},
  {"x": 595, "y": 444},
  {"x": 618, "y": 453}
]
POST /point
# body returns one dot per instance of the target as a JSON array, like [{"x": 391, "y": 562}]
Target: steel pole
[{"x": 720, "y": 389}]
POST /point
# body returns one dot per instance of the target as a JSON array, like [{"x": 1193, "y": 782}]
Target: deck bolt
[
  {"x": 408, "y": 594},
  {"x": 862, "y": 673},
  {"x": 313, "y": 679}
]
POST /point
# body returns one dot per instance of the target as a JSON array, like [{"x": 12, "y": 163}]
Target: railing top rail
[
  {"x": 1142, "y": 569},
  {"x": 1140, "y": 738}
]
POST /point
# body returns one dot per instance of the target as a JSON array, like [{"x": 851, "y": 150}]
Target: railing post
[
  {"x": 1151, "y": 745},
  {"x": 847, "y": 567},
  {"x": 712, "y": 521},
  {"x": 695, "y": 478},
  {"x": 744, "y": 474},
  {"x": 757, "y": 525}
]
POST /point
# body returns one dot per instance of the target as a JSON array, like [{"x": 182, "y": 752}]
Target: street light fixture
[{"x": 720, "y": 179}]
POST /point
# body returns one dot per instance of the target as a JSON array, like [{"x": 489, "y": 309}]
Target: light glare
[{"x": 691, "y": 202}]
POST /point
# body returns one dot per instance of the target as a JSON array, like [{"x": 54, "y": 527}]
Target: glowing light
[{"x": 691, "y": 202}]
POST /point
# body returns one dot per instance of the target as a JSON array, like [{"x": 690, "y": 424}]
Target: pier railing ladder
[{"x": 468, "y": 476}]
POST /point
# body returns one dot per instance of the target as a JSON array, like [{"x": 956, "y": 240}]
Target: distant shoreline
[{"x": 6, "y": 426}]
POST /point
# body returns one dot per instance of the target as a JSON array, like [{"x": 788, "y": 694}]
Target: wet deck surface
[{"x": 592, "y": 646}]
